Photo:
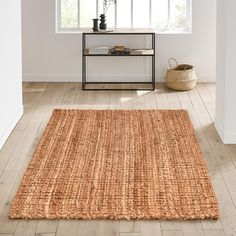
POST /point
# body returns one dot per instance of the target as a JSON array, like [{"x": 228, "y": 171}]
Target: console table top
[{"x": 121, "y": 31}]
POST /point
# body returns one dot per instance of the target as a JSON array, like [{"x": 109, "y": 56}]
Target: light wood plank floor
[{"x": 39, "y": 101}]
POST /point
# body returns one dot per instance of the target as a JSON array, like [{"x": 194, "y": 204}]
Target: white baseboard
[
  {"x": 201, "y": 79},
  {"x": 227, "y": 138},
  {"x": 11, "y": 126},
  {"x": 206, "y": 80},
  {"x": 52, "y": 78},
  {"x": 91, "y": 78},
  {"x": 77, "y": 78}
]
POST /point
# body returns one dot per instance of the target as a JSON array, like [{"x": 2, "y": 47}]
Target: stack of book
[
  {"x": 124, "y": 52},
  {"x": 99, "y": 50},
  {"x": 142, "y": 51},
  {"x": 120, "y": 50}
]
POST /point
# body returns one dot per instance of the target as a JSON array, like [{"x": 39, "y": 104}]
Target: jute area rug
[{"x": 136, "y": 164}]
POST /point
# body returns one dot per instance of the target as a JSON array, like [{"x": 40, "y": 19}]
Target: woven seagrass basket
[{"x": 181, "y": 77}]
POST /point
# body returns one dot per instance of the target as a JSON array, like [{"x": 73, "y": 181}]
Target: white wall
[
  {"x": 226, "y": 64},
  {"x": 57, "y": 57},
  {"x": 10, "y": 67}
]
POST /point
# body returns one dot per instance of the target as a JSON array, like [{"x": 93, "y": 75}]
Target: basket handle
[{"x": 172, "y": 59}]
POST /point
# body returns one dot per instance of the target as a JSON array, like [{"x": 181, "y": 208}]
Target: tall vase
[
  {"x": 103, "y": 25},
  {"x": 95, "y": 25}
]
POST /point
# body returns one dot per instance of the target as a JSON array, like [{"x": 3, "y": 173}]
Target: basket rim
[{"x": 180, "y": 71}]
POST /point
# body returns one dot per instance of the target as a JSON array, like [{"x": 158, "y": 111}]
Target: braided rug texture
[{"x": 116, "y": 164}]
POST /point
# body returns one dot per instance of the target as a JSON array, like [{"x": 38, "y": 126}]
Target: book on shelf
[
  {"x": 124, "y": 52},
  {"x": 99, "y": 50},
  {"x": 142, "y": 51}
]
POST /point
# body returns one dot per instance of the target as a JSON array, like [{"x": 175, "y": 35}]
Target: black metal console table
[{"x": 132, "y": 32}]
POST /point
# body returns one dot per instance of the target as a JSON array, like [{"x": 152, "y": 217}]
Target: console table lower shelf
[{"x": 113, "y": 86}]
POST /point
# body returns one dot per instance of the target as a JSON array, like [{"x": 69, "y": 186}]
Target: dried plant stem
[{"x": 106, "y": 5}]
